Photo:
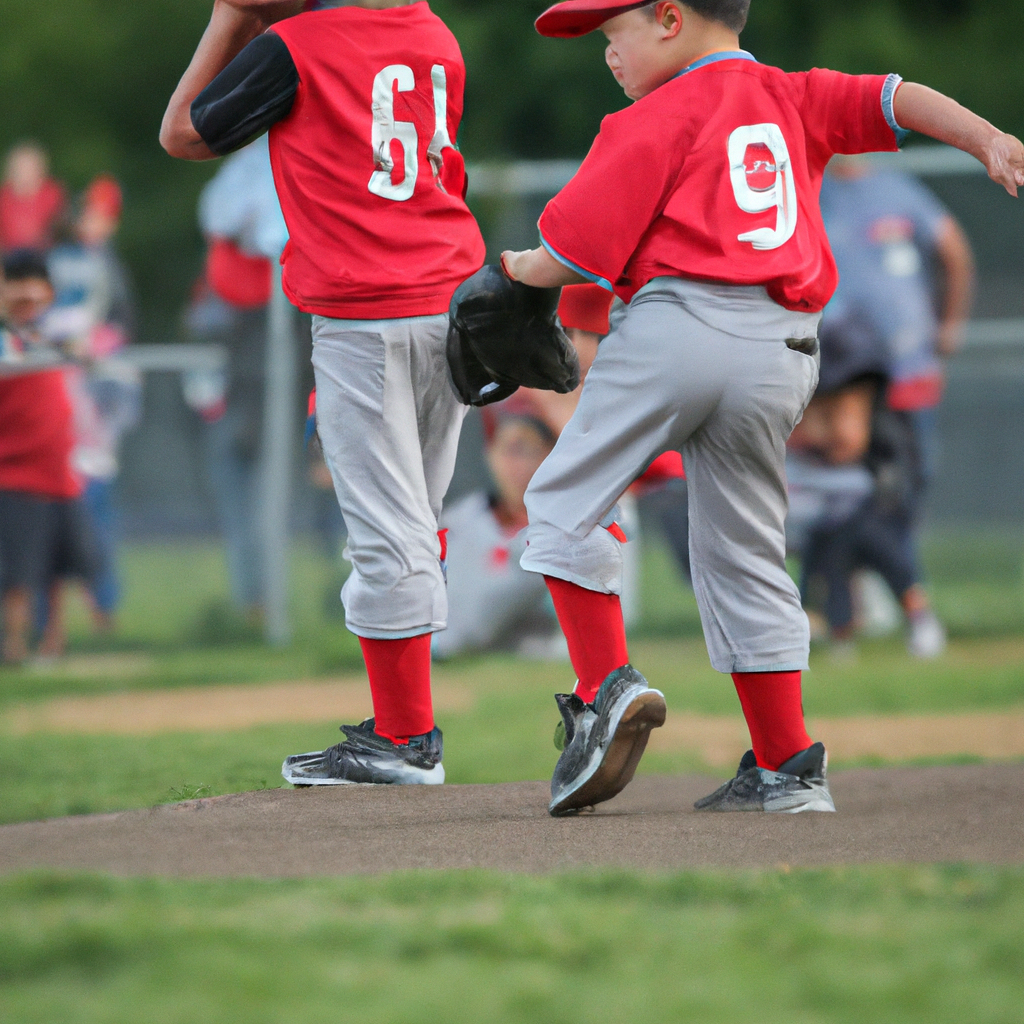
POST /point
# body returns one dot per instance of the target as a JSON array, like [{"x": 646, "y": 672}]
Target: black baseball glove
[{"x": 503, "y": 335}]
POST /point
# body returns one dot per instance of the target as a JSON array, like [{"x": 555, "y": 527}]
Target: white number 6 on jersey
[
  {"x": 762, "y": 178},
  {"x": 386, "y": 129}
]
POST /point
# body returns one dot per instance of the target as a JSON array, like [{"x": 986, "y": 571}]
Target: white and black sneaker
[
  {"x": 368, "y": 759},
  {"x": 800, "y": 784},
  {"x": 604, "y": 741}
]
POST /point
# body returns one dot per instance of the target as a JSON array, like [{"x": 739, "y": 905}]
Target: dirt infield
[{"x": 918, "y": 815}]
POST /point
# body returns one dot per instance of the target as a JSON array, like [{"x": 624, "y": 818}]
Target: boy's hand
[
  {"x": 538, "y": 268},
  {"x": 1003, "y": 158}
]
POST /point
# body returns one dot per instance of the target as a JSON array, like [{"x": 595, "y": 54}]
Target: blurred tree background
[{"x": 89, "y": 79}]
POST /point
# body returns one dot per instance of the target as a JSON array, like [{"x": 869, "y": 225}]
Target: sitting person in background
[
  {"x": 493, "y": 604},
  {"x": 854, "y": 471},
  {"x": 42, "y": 529}
]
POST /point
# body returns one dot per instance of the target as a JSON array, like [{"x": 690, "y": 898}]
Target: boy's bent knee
[{"x": 593, "y": 561}]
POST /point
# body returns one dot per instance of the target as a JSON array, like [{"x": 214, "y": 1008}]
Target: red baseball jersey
[
  {"x": 715, "y": 176},
  {"x": 371, "y": 185},
  {"x": 37, "y": 436}
]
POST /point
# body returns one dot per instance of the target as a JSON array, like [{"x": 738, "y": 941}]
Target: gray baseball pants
[
  {"x": 716, "y": 372},
  {"x": 389, "y": 424}
]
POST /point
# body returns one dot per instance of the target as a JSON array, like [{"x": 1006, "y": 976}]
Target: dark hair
[
  {"x": 731, "y": 13},
  {"x": 26, "y": 265}
]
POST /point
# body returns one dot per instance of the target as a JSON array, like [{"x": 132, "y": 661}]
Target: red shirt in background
[
  {"x": 26, "y": 222},
  {"x": 37, "y": 436},
  {"x": 585, "y": 307},
  {"x": 240, "y": 280}
]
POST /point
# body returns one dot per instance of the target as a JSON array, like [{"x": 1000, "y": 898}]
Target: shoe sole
[
  {"x": 622, "y": 755},
  {"x": 416, "y": 777},
  {"x": 815, "y": 798}
]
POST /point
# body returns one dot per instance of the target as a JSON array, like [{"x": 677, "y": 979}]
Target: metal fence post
[{"x": 279, "y": 439}]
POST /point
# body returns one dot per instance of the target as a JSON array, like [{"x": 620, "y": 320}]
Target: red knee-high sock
[
  {"x": 594, "y": 631},
  {"x": 399, "y": 672},
  {"x": 773, "y": 708}
]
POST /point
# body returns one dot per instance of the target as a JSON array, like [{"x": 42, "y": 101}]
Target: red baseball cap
[
  {"x": 104, "y": 196},
  {"x": 578, "y": 17}
]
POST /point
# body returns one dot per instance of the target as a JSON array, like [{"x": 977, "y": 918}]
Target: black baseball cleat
[
  {"x": 800, "y": 784},
  {"x": 368, "y": 759},
  {"x": 604, "y": 741}
]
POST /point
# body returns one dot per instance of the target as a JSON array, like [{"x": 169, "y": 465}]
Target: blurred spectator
[
  {"x": 907, "y": 265},
  {"x": 493, "y": 603},
  {"x": 31, "y": 202},
  {"x": 93, "y": 316},
  {"x": 241, "y": 218},
  {"x": 42, "y": 530},
  {"x": 906, "y": 284},
  {"x": 853, "y": 467}
]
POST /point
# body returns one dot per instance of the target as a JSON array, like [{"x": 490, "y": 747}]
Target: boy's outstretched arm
[
  {"x": 230, "y": 30},
  {"x": 924, "y": 110}
]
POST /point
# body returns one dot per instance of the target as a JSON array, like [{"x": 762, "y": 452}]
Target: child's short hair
[
  {"x": 25, "y": 265},
  {"x": 731, "y": 13}
]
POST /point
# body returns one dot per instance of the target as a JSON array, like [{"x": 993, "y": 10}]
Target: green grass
[
  {"x": 915, "y": 944},
  {"x": 176, "y": 593},
  {"x": 887, "y": 944},
  {"x": 164, "y": 640},
  {"x": 48, "y": 775}
]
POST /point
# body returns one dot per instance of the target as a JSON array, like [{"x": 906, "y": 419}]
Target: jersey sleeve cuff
[
  {"x": 892, "y": 83},
  {"x": 607, "y": 285}
]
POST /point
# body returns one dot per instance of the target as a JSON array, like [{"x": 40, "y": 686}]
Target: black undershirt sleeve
[{"x": 254, "y": 92}]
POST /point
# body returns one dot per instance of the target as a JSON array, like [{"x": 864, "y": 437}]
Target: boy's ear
[{"x": 670, "y": 17}]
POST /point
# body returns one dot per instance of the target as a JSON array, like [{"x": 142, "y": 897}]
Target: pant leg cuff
[
  {"x": 392, "y": 634},
  {"x": 747, "y": 664},
  {"x": 560, "y": 573}
]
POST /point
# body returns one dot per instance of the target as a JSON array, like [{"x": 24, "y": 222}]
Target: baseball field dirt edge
[{"x": 896, "y": 815}]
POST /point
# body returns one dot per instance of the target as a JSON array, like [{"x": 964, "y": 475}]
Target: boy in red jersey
[
  {"x": 363, "y": 101},
  {"x": 40, "y": 517},
  {"x": 698, "y": 205}
]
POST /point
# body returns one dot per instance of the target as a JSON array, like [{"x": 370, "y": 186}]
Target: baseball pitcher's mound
[{"x": 891, "y": 815}]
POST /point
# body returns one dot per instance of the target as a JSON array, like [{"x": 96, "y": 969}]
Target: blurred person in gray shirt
[{"x": 905, "y": 263}]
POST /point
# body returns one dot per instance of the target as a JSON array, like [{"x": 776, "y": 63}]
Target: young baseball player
[
  {"x": 363, "y": 101},
  {"x": 698, "y": 205}
]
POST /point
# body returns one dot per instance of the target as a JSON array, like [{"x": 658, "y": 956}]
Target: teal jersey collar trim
[{"x": 714, "y": 58}]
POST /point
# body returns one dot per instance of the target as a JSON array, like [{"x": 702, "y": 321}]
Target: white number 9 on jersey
[{"x": 762, "y": 178}]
